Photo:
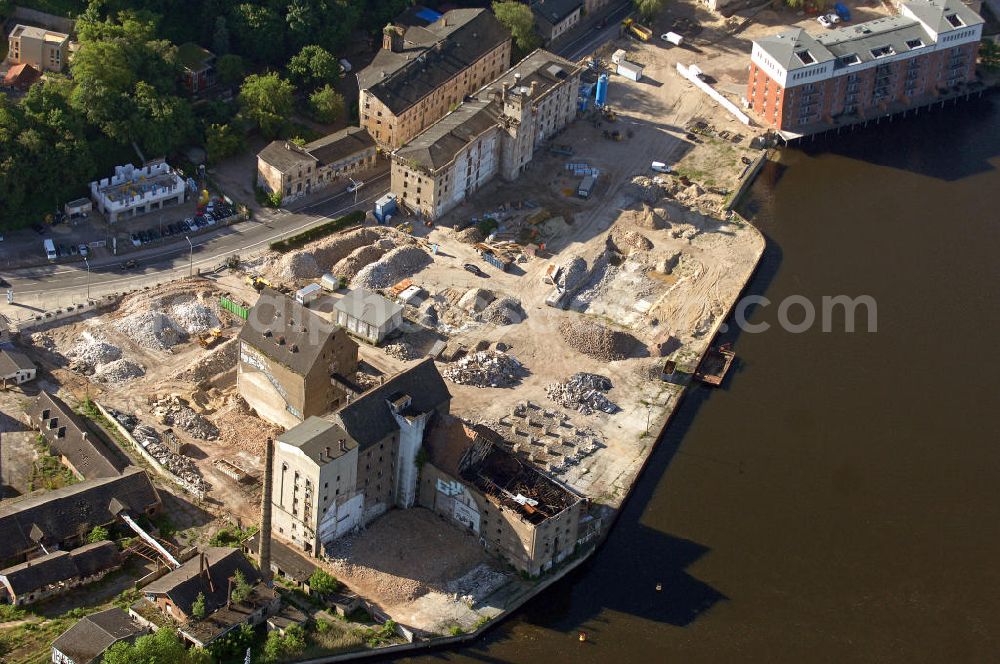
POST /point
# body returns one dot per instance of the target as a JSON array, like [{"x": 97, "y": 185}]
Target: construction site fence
[
  {"x": 149, "y": 458},
  {"x": 233, "y": 307}
]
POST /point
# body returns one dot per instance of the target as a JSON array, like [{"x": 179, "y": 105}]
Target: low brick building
[
  {"x": 57, "y": 573},
  {"x": 91, "y": 636},
  {"x": 293, "y": 171},
  {"x": 81, "y": 448}
]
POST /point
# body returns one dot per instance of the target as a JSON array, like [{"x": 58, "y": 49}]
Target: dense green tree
[
  {"x": 221, "y": 141},
  {"x": 198, "y": 606},
  {"x": 233, "y": 645},
  {"x": 280, "y": 647},
  {"x": 160, "y": 647},
  {"x": 520, "y": 20},
  {"x": 648, "y": 9},
  {"x": 241, "y": 588},
  {"x": 267, "y": 100},
  {"x": 258, "y": 33},
  {"x": 323, "y": 582},
  {"x": 313, "y": 66},
  {"x": 162, "y": 123},
  {"x": 99, "y": 533},
  {"x": 328, "y": 23},
  {"x": 220, "y": 36},
  {"x": 229, "y": 69},
  {"x": 326, "y": 105}
]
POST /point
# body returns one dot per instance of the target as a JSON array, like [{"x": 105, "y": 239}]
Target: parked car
[
  {"x": 469, "y": 267},
  {"x": 84, "y": 251},
  {"x": 346, "y": 64},
  {"x": 842, "y": 11},
  {"x": 136, "y": 242},
  {"x": 825, "y": 21},
  {"x": 130, "y": 264},
  {"x": 661, "y": 167}
]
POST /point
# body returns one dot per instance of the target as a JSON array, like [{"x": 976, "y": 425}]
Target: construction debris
[
  {"x": 194, "y": 317},
  {"x": 476, "y": 299},
  {"x": 584, "y": 393},
  {"x": 241, "y": 429},
  {"x": 118, "y": 371},
  {"x": 348, "y": 267},
  {"x": 400, "y": 350},
  {"x": 487, "y": 368},
  {"x": 573, "y": 272},
  {"x": 91, "y": 351},
  {"x": 503, "y": 311},
  {"x": 477, "y": 584},
  {"x": 546, "y": 438},
  {"x": 597, "y": 341},
  {"x": 151, "y": 329},
  {"x": 150, "y": 439},
  {"x": 395, "y": 265},
  {"x": 175, "y": 411},
  {"x": 221, "y": 359}
]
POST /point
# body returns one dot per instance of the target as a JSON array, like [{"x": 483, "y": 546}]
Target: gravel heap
[
  {"x": 349, "y": 266},
  {"x": 118, "y": 371},
  {"x": 298, "y": 265},
  {"x": 334, "y": 249},
  {"x": 174, "y": 411},
  {"x": 645, "y": 189},
  {"x": 222, "y": 358},
  {"x": 428, "y": 314},
  {"x": 194, "y": 317},
  {"x": 477, "y": 584},
  {"x": 392, "y": 267},
  {"x": 151, "y": 329},
  {"x": 597, "y": 341},
  {"x": 241, "y": 429},
  {"x": 150, "y": 439},
  {"x": 574, "y": 271},
  {"x": 487, "y": 368},
  {"x": 583, "y": 392},
  {"x": 90, "y": 352},
  {"x": 470, "y": 235},
  {"x": 629, "y": 241},
  {"x": 503, "y": 311}
]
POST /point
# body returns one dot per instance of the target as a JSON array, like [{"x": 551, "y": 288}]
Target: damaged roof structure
[
  {"x": 79, "y": 447},
  {"x": 58, "y": 572}
]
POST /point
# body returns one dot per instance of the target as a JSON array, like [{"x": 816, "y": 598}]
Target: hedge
[{"x": 317, "y": 232}]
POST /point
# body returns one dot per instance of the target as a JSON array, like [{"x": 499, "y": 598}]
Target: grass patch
[
  {"x": 232, "y": 536},
  {"x": 48, "y": 472},
  {"x": 318, "y": 232}
]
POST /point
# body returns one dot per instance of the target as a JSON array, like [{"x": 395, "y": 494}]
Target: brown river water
[{"x": 838, "y": 500}]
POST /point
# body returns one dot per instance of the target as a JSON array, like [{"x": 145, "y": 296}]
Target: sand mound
[
  {"x": 394, "y": 266},
  {"x": 598, "y": 341}
]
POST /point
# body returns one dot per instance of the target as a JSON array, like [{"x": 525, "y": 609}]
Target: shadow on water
[{"x": 936, "y": 156}]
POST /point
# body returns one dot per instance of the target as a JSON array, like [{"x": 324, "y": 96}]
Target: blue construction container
[
  {"x": 602, "y": 90},
  {"x": 384, "y": 207}
]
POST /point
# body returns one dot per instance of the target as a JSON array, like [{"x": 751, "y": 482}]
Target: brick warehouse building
[{"x": 800, "y": 84}]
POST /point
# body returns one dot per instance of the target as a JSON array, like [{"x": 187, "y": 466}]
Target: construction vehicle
[
  {"x": 256, "y": 282},
  {"x": 211, "y": 338},
  {"x": 405, "y": 228},
  {"x": 640, "y": 32}
]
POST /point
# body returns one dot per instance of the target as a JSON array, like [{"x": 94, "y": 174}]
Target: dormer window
[{"x": 954, "y": 20}]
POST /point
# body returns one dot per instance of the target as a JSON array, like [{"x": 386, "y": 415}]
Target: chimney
[
  {"x": 343, "y": 445},
  {"x": 264, "y": 550},
  {"x": 534, "y": 88},
  {"x": 392, "y": 38}
]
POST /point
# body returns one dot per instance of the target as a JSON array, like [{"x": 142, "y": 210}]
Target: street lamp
[
  {"x": 191, "y": 257},
  {"x": 87, "y": 263},
  {"x": 355, "y": 186}
]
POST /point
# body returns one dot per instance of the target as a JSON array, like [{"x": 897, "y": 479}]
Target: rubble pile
[
  {"x": 646, "y": 189},
  {"x": 476, "y": 299},
  {"x": 503, "y": 311},
  {"x": 628, "y": 241},
  {"x": 222, "y": 358},
  {"x": 597, "y": 341},
  {"x": 348, "y": 267},
  {"x": 428, "y": 313},
  {"x": 240, "y": 428},
  {"x": 546, "y": 438},
  {"x": 118, "y": 371},
  {"x": 392, "y": 267},
  {"x": 91, "y": 351},
  {"x": 401, "y": 351},
  {"x": 175, "y": 411},
  {"x": 150, "y": 440},
  {"x": 574, "y": 271},
  {"x": 151, "y": 329},
  {"x": 194, "y": 317},
  {"x": 487, "y": 368},
  {"x": 470, "y": 235},
  {"x": 366, "y": 381},
  {"x": 477, "y": 584},
  {"x": 297, "y": 265},
  {"x": 584, "y": 393},
  {"x": 334, "y": 249}
]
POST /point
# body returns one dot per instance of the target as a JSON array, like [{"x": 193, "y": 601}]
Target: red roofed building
[{"x": 21, "y": 76}]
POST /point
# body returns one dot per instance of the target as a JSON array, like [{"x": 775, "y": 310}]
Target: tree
[
  {"x": 520, "y": 20},
  {"x": 221, "y": 142},
  {"x": 198, "y": 606},
  {"x": 313, "y": 66},
  {"x": 98, "y": 534},
  {"x": 648, "y": 9},
  {"x": 259, "y": 33},
  {"x": 322, "y": 582},
  {"x": 220, "y": 37},
  {"x": 267, "y": 99},
  {"x": 160, "y": 646},
  {"x": 230, "y": 69},
  {"x": 326, "y": 104},
  {"x": 280, "y": 647},
  {"x": 241, "y": 588},
  {"x": 989, "y": 54}
]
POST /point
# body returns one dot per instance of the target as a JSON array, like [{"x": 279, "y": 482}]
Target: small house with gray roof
[
  {"x": 293, "y": 363},
  {"x": 337, "y": 472},
  {"x": 82, "y": 448},
  {"x": 368, "y": 315},
  {"x": 425, "y": 69},
  {"x": 91, "y": 636},
  {"x": 57, "y": 573},
  {"x": 15, "y": 368},
  {"x": 802, "y": 84},
  {"x": 293, "y": 171}
]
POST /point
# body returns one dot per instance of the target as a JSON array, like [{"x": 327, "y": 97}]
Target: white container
[{"x": 308, "y": 294}]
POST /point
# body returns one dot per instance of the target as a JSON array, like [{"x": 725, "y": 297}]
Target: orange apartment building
[
  {"x": 426, "y": 68},
  {"x": 800, "y": 84}
]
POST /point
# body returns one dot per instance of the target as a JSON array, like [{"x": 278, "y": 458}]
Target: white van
[
  {"x": 50, "y": 250},
  {"x": 661, "y": 167}
]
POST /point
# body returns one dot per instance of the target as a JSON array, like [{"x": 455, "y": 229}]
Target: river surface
[{"x": 839, "y": 499}]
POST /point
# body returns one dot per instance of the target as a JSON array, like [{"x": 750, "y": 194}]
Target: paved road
[
  {"x": 58, "y": 285},
  {"x": 48, "y": 287}
]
